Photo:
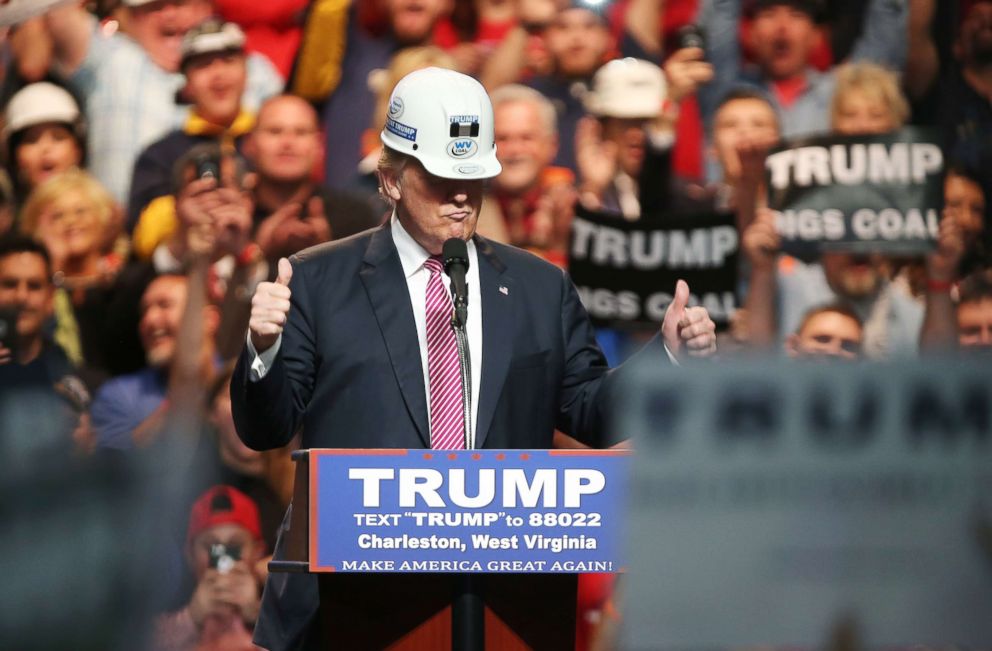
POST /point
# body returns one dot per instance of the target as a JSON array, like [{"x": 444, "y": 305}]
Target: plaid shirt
[{"x": 130, "y": 103}]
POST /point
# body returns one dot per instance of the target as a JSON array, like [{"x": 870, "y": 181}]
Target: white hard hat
[
  {"x": 444, "y": 119},
  {"x": 39, "y": 103},
  {"x": 210, "y": 37},
  {"x": 627, "y": 88}
]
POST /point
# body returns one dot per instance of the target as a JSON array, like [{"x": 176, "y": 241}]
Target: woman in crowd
[
  {"x": 867, "y": 100},
  {"x": 44, "y": 135},
  {"x": 73, "y": 216}
]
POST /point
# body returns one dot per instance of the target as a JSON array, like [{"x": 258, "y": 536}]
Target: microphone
[{"x": 455, "y": 254}]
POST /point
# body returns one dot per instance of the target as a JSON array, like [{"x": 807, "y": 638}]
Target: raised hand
[
  {"x": 596, "y": 158},
  {"x": 943, "y": 262},
  {"x": 752, "y": 152},
  {"x": 685, "y": 72},
  {"x": 232, "y": 221},
  {"x": 688, "y": 326},
  {"x": 270, "y": 235},
  {"x": 270, "y": 309},
  {"x": 316, "y": 219},
  {"x": 761, "y": 241},
  {"x": 290, "y": 228}
]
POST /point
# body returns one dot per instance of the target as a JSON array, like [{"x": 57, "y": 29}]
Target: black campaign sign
[
  {"x": 626, "y": 271},
  {"x": 858, "y": 193}
]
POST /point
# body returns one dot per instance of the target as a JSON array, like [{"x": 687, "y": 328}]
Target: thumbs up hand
[
  {"x": 688, "y": 326},
  {"x": 270, "y": 309}
]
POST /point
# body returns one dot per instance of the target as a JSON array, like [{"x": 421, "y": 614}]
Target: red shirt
[{"x": 273, "y": 28}]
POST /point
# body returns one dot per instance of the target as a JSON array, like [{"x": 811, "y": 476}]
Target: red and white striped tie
[{"x": 443, "y": 371}]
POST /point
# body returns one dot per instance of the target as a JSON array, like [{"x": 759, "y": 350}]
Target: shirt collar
[{"x": 412, "y": 255}]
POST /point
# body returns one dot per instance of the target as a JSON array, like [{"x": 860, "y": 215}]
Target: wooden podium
[{"x": 398, "y": 611}]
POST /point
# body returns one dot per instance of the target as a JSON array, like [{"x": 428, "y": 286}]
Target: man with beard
[
  {"x": 787, "y": 288},
  {"x": 28, "y": 358},
  {"x": 783, "y": 36}
]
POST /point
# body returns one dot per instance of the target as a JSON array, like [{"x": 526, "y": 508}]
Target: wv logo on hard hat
[
  {"x": 462, "y": 148},
  {"x": 463, "y": 128}
]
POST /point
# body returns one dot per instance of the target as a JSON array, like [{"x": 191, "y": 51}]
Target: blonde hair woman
[
  {"x": 74, "y": 217},
  {"x": 867, "y": 100},
  {"x": 78, "y": 222}
]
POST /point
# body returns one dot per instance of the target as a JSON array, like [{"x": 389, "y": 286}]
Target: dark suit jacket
[{"x": 349, "y": 372}]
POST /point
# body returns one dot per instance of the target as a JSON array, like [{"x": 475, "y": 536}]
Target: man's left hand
[{"x": 688, "y": 327}]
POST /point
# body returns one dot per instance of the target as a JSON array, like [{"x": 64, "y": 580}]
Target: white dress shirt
[{"x": 412, "y": 258}]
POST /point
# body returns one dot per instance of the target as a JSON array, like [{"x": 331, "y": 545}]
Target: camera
[
  {"x": 207, "y": 166},
  {"x": 223, "y": 557},
  {"x": 691, "y": 36}
]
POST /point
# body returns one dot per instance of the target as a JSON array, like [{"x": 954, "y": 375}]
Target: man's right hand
[{"x": 270, "y": 309}]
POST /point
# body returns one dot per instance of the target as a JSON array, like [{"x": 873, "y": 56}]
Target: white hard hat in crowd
[
  {"x": 39, "y": 103},
  {"x": 212, "y": 36},
  {"x": 444, "y": 119},
  {"x": 627, "y": 88}
]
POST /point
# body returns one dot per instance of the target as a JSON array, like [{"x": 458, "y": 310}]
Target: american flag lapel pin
[{"x": 503, "y": 290}]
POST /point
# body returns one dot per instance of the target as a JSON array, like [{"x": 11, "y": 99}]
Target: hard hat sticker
[
  {"x": 464, "y": 126},
  {"x": 462, "y": 148},
  {"x": 401, "y": 130},
  {"x": 468, "y": 169},
  {"x": 396, "y": 107}
]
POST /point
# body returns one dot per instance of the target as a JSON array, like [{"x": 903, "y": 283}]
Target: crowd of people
[{"x": 161, "y": 157}]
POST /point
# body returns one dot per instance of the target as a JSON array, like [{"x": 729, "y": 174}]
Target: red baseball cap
[{"x": 223, "y": 505}]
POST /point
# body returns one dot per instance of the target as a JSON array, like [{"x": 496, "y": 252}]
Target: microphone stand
[{"x": 468, "y": 611}]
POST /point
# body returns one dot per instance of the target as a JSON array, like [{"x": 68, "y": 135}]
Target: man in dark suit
[{"x": 343, "y": 344}]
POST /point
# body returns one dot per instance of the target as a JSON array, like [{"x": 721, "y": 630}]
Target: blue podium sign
[{"x": 512, "y": 511}]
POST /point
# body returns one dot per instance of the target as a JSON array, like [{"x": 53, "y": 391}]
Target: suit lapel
[
  {"x": 382, "y": 275},
  {"x": 498, "y": 305}
]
